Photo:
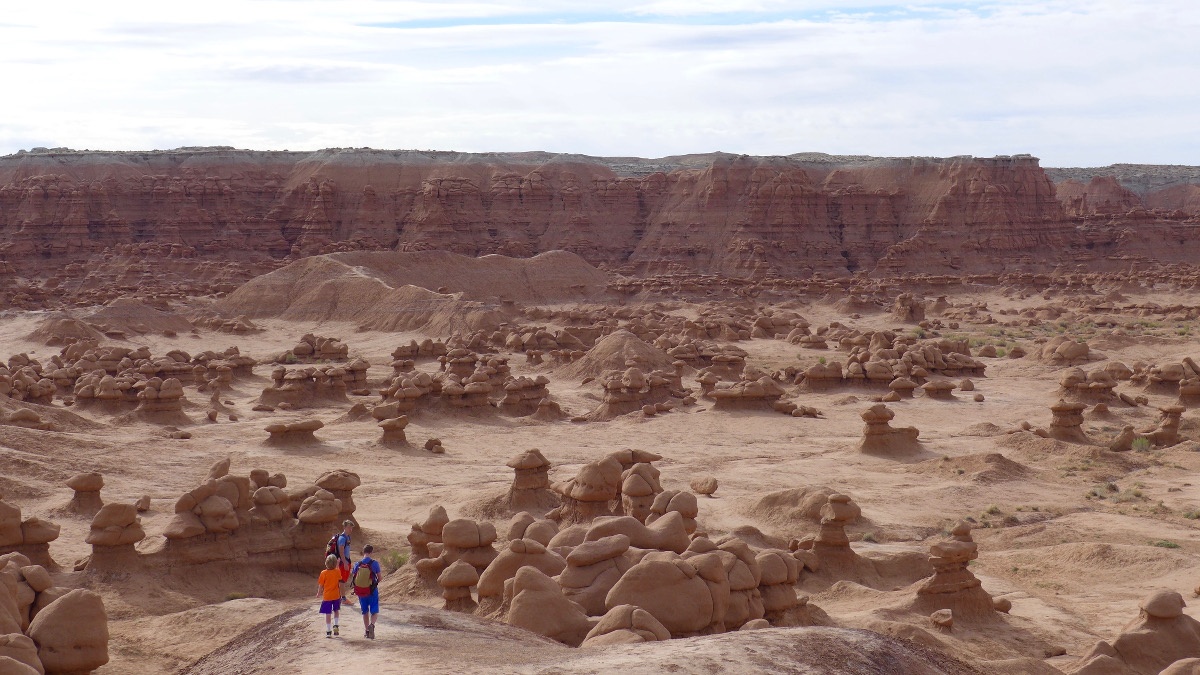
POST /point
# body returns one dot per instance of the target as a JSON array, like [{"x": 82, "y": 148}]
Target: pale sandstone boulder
[
  {"x": 428, "y": 532},
  {"x": 525, "y": 526},
  {"x": 37, "y": 577},
  {"x": 626, "y": 624},
  {"x": 670, "y": 590},
  {"x": 779, "y": 572},
  {"x": 665, "y": 534},
  {"x": 11, "y": 666},
  {"x": 519, "y": 553},
  {"x": 72, "y": 633},
  {"x": 675, "y": 501},
  {"x": 539, "y": 606},
  {"x": 706, "y": 486},
  {"x": 593, "y": 568},
  {"x": 20, "y": 649}
]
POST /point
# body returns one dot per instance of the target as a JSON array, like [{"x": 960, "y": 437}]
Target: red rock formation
[{"x": 738, "y": 216}]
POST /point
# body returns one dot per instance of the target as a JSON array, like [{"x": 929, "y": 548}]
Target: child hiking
[
  {"x": 365, "y": 579},
  {"x": 330, "y": 591}
]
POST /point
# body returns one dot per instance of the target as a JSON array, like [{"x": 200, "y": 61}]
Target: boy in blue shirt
[{"x": 365, "y": 577}]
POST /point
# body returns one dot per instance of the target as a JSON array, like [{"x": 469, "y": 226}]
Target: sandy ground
[{"x": 1074, "y": 565}]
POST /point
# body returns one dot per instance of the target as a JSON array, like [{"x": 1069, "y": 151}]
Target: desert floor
[{"x": 1074, "y": 537}]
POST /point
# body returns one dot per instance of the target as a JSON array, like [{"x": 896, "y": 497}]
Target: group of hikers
[{"x": 362, "y": 576}]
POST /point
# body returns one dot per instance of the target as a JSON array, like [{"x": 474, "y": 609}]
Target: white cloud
[{"x": 1076, "y": 82}]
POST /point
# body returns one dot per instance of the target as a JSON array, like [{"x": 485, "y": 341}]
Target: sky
[{"x": 1074, "y": 82}]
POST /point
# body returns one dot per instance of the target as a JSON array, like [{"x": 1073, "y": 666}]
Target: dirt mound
[
  {"x": 613, "y": 352},
  {"x": 131, "y": 316},
  {"x": 548, "y": 277},
  {"x": 991, "y": 467},
  {"x": 59, "y": 327},
  {"x": 391, "y": 290},
  {"x": 785, "y": 507},
  {"x": 1106, "y": 564},
  {"x": 986, "y": 429},
  {"x": 49, "y": 418},
  {"x": 417, "y": 638}
]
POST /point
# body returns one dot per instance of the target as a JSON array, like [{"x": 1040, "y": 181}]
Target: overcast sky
[{"x": 1075, "y": 82}]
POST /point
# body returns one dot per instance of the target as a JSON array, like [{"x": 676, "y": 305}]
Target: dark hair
[
  {"x": 347, "y": 522},
  {"x": 368, "y": 548}
]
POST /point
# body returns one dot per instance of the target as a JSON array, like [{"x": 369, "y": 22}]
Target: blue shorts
[
  {"x": 369, "y": 604},
  {"x": 330, "y": 606}
]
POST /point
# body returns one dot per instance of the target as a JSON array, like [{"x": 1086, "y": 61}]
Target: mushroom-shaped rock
[
  {"x": 341, "y": 483},
  {"x": 72, "y": 633},
  {"x": 1067, "y": 422},
  {"x": 626, "y": 624},
  {"x": 116, "y": 525},
  {"x": 531, "y": 482},
  {"x": 952, "y": 585},
  {"x": 393, "y": 430},
  {"x": 456, "y": 582},
  {"x": 939, "y": 389},
  {"x": 86, "y": 501},
  {"x": 639, "y": 484},
  {"x": 538, "y": 605},
  {"x": 881, "y": 438},
  {"x": 1161, "y": 635},
  {"x": 321, "y": 507},
  {"x": 462, "y": 539},
  {"x": 295, "y": 433},
  {"x": 589, "y": 493}
]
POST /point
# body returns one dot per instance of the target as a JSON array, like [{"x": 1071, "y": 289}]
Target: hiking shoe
[
  {"x": 371, "y": 632},
  {"x": 328, "y": 634},
  {"x": 367, "y": 633},
  {"x": 335, "y": 631}
]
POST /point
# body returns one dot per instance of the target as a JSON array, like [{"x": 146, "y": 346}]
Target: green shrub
[
  {"x": 393, "y": 560},
  {"x": 1141, "y": 444},
  {"x": 1163, "y": 543},
  {"x": 870, "y": 537},
  {"x": 237, "y": 595}
]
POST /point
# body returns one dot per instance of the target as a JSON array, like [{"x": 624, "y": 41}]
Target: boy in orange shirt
[{"x": 330, "y": 592}]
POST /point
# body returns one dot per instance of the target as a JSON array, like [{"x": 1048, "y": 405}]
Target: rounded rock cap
[{"x": 1164, "y": 605}]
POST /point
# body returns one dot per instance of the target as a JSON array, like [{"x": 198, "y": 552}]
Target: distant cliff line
[{"x": 738, "y": 215}]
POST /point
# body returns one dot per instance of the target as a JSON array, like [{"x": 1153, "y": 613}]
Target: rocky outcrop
[{"x": 793, "y": 215}]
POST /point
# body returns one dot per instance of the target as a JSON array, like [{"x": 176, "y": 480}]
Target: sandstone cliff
[{"x": 716, "y": 213}]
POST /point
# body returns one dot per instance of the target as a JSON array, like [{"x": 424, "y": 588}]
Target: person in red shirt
[{"x": 330, "y": 591}]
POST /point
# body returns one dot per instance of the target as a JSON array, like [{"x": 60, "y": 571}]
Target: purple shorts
[{"x": 331, "y": 606}]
